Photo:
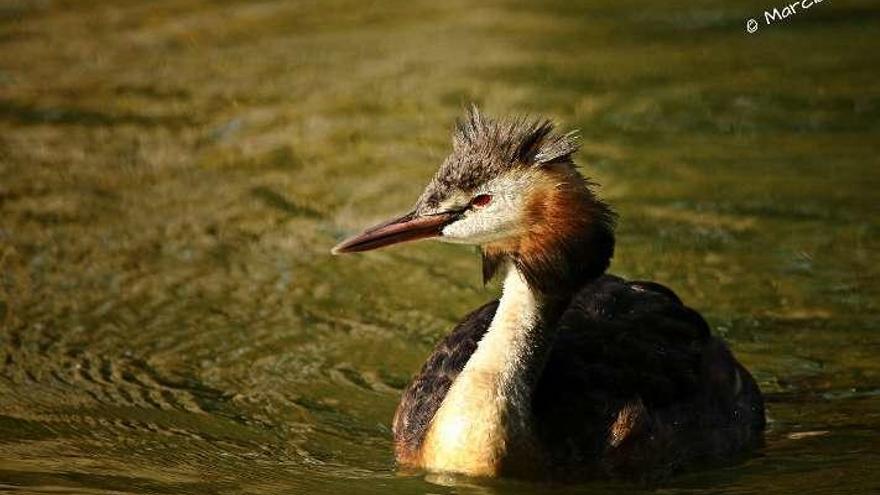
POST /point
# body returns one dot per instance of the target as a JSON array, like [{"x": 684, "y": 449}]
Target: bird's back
[
  {"x": 635, "y": 386},
  {"x": 637, "y": 382}
]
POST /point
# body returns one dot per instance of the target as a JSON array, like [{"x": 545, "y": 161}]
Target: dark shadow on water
[
  {"x": 119, "y": 484},
  {"x": 275, "y": 200},
  {"x": 148, "y": 91},
  {"x": 28, "y": 114}
]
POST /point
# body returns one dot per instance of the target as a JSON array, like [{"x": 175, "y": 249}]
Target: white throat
[{"x": 487, "y": 411}]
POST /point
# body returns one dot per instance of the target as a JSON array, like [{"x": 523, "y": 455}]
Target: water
[{"x": 173, "y": 174}]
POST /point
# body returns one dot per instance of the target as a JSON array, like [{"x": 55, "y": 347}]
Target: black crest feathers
[
  {"x": 515, "y": 141},
  {"x": 484, "y": 148}
]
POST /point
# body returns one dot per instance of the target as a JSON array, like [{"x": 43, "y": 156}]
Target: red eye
[{"x": 481, "y": 200}]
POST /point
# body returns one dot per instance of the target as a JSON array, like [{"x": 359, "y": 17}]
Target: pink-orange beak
[{"x": 409, "y": 227}]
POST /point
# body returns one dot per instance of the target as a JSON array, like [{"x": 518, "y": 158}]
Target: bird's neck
[
  {"x": 487, "y": 412},
  {"x": 517, "y": 342}
]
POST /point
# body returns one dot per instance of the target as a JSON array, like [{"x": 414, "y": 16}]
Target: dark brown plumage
[
  {"x": 573, "y": 373},
  {"x": 620, "y": 345}
]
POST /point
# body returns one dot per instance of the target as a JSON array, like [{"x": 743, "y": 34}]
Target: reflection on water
[{"x": 173, "y": 174}]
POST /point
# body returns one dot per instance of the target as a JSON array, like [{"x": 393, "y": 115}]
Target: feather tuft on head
[{"x": 518, "y": 141}]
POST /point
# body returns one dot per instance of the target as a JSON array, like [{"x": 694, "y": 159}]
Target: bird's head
[{"x": 510, "y": 187}]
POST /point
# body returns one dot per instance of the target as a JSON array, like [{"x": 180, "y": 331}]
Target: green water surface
[{"x": 174, "y": 173}]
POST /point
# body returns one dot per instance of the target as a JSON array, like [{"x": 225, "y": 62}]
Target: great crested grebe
[{"x": 572, "y": 372}]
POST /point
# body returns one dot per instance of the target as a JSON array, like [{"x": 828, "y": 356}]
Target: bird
[{"x": 573, "y": 373}]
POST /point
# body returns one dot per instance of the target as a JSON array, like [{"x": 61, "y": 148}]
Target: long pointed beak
[{"x": 409, "y": 227}]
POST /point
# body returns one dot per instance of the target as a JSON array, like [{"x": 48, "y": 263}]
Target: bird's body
[
  {"x": 634, "y": 385},
  {"x": 573, "y": 372}
]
